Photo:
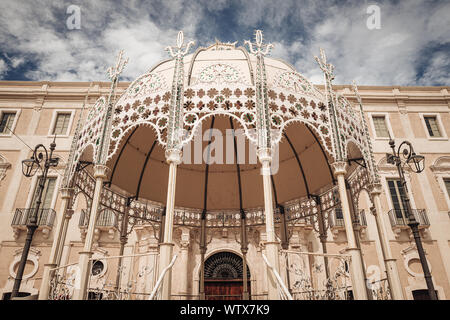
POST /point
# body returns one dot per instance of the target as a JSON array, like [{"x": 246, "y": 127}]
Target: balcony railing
[
  {"x": 399, "y": 217},
  {"x": 106, "y": 218},
  {"x": 45, "y": 217},
  {"x": 336, "y": 218}
]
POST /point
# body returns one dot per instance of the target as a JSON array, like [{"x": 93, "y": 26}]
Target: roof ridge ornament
[
  {"x": 179, "y": 47},
  {"x": 261, "y": 48}
]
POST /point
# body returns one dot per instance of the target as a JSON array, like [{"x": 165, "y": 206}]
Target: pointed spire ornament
[
  {"x": 114, "y": 72},
  {"x": 177, "y": 51},
  {"x": 327, "y": 68},
  {"x": 259, "y": 48}
]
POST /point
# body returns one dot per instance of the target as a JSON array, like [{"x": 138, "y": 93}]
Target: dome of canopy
[{"x": 220, "y": 93}]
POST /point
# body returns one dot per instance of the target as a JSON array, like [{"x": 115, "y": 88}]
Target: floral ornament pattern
[
  {"x": 145, "y": 85},
  {"x": 219, "y": 73},
  {"x": 350, "y": 126},
  {"x": 296, "y": 83},
  {"x": 224, "y": 99},
  {"x": 286, "y": 108},
  {"x": 91, "y": 132},
  {"x": 151, "y": 110}
]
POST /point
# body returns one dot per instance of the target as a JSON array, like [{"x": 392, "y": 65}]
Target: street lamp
[
  {"x": 417, "y": 164},
  {"x": 39, "y": 160}
]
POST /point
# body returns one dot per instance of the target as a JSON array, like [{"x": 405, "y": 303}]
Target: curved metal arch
[
  {"x": 324, "y": 155},
  {"x": 195, "y": 127},
  {"x": 205, "y": 192},
  {"x": 138, "y": 188},
  {"x": 294, "y": 151},
  {"x": 120, "y": 155},
  {"x": 238, "y": 169},
  {"x": 227, "y": 258},
  {"x": 159, "y": 132}
]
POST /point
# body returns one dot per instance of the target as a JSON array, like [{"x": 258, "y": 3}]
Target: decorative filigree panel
[
  {"x": 151, "y": 110},
  {"x": 91, "y": 133},
  {"x": 326, "y": 278},
  {"x": 294, "y": 82},
  {"x": 350, "y": 127},
  {"x": 235, "y": 101},
  {"x": 287, "y": 107}
]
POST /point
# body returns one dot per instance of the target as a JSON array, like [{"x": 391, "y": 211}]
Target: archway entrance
[{"x": 224, "y": 277}]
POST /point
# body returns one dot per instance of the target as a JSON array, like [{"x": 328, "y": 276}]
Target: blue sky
[{"x": 412, "y": 47}]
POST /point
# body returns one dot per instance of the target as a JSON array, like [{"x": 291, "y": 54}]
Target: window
[
  {"x": 432, "y": 126},
  {"x": 381, "y": 129},
  {"x": 61, "y": 123},
  {"x": 6, "y": 122},
  {"x": 47, "y": 194},
  {"x": 447, "y": 186},
  {"x": 397, "y": 195}
]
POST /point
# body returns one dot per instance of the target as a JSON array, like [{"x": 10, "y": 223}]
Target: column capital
[
  {"x": 173, "y": 156},
  {"x": 339, "y": 168},
  {"x": 66, "y": 193},
  {"x": 375, "y": 188},
  {"x": 69, "y": 213},
  {"x": 264, "y": 155},
  {"x": 100, "y": 171}
]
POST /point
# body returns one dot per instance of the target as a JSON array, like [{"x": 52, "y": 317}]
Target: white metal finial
[
  {"x": 179, "y": 47},
  {"x": 260, "y": 47},
  {"x": 259, "y": 38},
  {"x": 180, "y": 39},
  {"x": 327, "y": 68},
  {"x": 114, "y": 72}
]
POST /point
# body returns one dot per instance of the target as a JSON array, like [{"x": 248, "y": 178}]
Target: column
[
  {"x": 58, "y": 244},
  {"x": 84, "y": 265},
  {"x": 390, "y": 263},
  {"x": 166, "y": 247},
  {"x": 184, "y": 261},
  {"x": 67, "y": 217},
  {"x": 271, "y": 244},
  {"x": 357, "y": 271}
]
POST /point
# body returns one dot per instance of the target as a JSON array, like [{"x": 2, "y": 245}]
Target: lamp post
[
  {"x": 39, "y": 160},
  {"x": 417, "y": 164}
]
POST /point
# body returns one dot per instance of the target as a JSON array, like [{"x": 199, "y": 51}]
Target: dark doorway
[
  {"x": 224, "y": 277},
  {"x": 422, "y": 294},
  {"x": 7, "y": 296}
]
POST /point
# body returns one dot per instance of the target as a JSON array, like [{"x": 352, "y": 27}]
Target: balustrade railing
[
  {"x": 45, "y": 217},
  {"x": 399, "y": 217},
  {"x": 106, "y": 218},
  {"x": 316, "y": 276},
  {"x": 156, "y": 292},
  {"x": 282, "y": 289},
  {"x": 380, "y": 289},
  {"x": 127, "y": 277}
]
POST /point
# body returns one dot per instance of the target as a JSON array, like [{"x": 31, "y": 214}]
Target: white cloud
[{"x": 411, "y": 33}]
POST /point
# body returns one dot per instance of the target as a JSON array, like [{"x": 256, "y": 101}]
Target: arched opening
[{"x": 224, "y": 276}]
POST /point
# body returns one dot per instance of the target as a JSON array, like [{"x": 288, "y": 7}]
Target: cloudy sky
[{"x": 411, "y": 47}]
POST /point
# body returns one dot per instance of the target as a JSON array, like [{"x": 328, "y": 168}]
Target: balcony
[
  {"x": 22, "y": 216},
  {"x": 399, "y": 219},
  {"x": 336, "y": 220},
  {"x": 106, "y": 221}
]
